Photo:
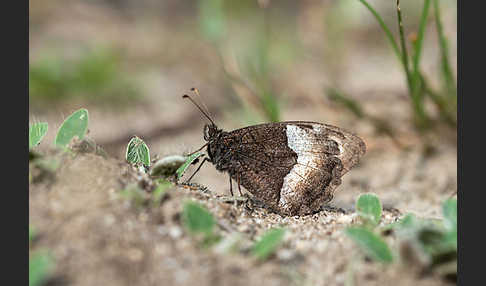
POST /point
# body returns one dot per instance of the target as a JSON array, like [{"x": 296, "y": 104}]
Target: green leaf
[
  {"x": 167, "y": 166},
  {"x": 75, "y": 125},
  {"x": 268, "y": 243},
  {"x": 449, "y": 210},
  {"x": 370, "y": 243},
  {"x": 410, "y": 220},
  {"x": 197, "y": 219},
  {"x": 439, "y": 245},
  {"x": 39, "y": 265},
  {"x": 138, "y": 152},
  {"x": 369, "y": 208},
  {"x": 37, "y": 131},
  {"x": 450, "y": 239},
  {"x": 189, "y": 161}
]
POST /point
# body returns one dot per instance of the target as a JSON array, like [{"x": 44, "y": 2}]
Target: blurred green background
[{"x": 129, "y": 62}]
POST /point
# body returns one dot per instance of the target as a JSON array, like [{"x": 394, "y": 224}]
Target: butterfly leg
[
  {"x": 197, "y": 170},
  {"x": 231, "y": 186},
  {"x": 239, "y": 186}
]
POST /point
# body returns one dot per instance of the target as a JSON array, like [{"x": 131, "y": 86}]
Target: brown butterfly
[{"x": 294, "y": 167}]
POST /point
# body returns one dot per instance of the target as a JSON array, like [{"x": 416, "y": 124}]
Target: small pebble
[
  {"x": 345, "y": 219},
  {"x": 175, "y": 232},
  {"x": 285, "y": 254}
]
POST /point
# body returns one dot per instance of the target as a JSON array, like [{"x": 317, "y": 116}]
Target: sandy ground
[{"x": 98, "y": 237}]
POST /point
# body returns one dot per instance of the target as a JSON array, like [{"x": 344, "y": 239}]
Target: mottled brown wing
[
  {"x": 264, "y": 160},
  {"x": 293, "y": 167}
]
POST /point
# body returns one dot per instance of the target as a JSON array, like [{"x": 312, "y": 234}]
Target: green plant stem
[
  {"x": 416, "y": 82},
  {"x": 418, "y": 52},
  {"x": 446, "y": 68},
  {"x": 387, "y": 31},
  {"x": 417, "y": 86},
  {"x": 418, "y": 44},
  {"x": 447, "y": 111},
  {"x": 381, "y": 125},
  {"x": 414, "y": 89},
  {"x": 404, "y": 52},
  {"x": 346, "y": 101}
]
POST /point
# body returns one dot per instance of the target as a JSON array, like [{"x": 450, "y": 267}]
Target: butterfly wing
[{"x": 293, "y": 166}]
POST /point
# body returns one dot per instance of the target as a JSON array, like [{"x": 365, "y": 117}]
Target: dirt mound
[{"x": 99, "y": 237}]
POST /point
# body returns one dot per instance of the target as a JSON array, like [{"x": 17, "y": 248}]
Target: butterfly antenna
[
  {"x": 197, "y": 105},
  {"x": 190, "y": 154},
  {"x": 196, "y": 91}
]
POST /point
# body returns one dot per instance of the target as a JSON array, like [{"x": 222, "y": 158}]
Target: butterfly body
[{"x": 293, "y": 167}]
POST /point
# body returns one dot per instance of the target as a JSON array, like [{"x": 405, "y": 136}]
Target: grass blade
[
  {"x": 37, "y": 131},
  {"x": 346, "y": 101},
  {"x": 75, "y": 125},
  {"x": 413, "y": 85},
  {"x": 370, "y": 243},
  {"x": 404, "y": 52},
  {"x": 420, "y": 39},
  {"x": 417, "y": 90},
  {"x": 384, "y": 27},
  {"x": 447, "y": 107},
  {"x": 444, "y": 51}
]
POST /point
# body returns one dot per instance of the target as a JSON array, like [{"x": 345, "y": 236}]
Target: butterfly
[{"x": 293, "y": 167}]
